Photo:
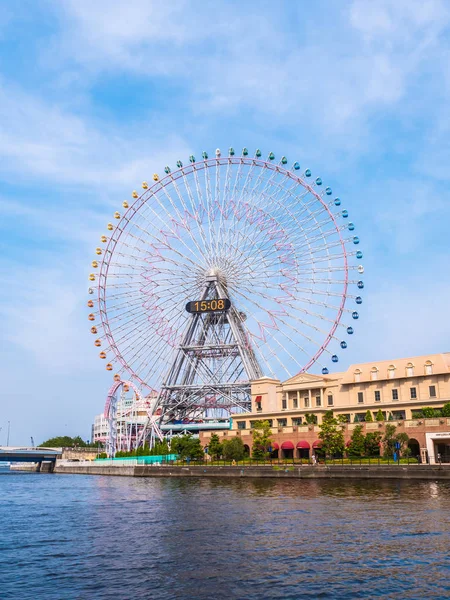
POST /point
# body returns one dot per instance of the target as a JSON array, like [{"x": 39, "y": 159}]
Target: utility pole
[{"x": 7, "y": 438}]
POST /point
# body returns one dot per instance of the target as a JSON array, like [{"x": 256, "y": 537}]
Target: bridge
[{"x": 35, "y": 455}]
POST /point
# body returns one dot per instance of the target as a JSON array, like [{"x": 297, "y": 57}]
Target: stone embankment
[{"x": 430, "y": 472}]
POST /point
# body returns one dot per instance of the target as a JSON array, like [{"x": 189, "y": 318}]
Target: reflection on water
[{"x": 64, "y": 537}]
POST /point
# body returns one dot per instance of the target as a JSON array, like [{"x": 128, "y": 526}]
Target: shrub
[
  {"x": 379, "y": 416},
  {"x": 369, "y": 417},
  {"x": 445, "y": 410},
  {"x": 428, "y": 412}
]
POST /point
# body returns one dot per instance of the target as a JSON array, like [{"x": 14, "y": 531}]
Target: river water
[{"x": 70, "y": 537}]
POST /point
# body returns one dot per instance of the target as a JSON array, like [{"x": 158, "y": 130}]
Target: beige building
[{"x": 399, "y": 388}]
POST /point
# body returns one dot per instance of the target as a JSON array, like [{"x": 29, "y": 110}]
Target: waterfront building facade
[{"x": 398, "y": 390}]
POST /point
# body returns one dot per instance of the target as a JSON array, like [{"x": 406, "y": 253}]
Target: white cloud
[{"x": 40, "y": 140}]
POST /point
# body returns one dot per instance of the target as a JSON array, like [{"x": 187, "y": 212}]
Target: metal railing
[{"x": 290, "y": 462}]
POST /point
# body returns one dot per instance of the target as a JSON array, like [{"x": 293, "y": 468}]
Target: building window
[
  {"x": 359, "y": 418},
  {"x": 252, "y": 423},
  {"x": 391, "y": 372},
  {"x": 413, "y": 393},
  {"x": 432, "y": 389},
  {"x": 394, "y": 394},
  {"x": 295, "y": 403},
  {"x": 409, "y": 370},
  {"x": 360, "y": 397},
  {"x": 284, "y": 403},
  {"x": 282, "y": 422},
  {"x": 242, "y": 424},
  {"x": 399, "y": 415},
  {"x": 318, "y": 401},
  {"x": 306, "y": 402},
  {"x": 374, "y": 374},
  {"x": 357, "y": 375},
  {"x": 377, "y": 396},
  {"x": 296, "y": 421},
  {"x": 330, "y": 400},
  {"x": 428, "y": 368}
]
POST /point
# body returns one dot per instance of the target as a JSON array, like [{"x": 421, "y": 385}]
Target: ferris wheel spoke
[
  {"x": 183, "y": 219},
  {"x": 197, "y": 217},
  {"x": 275, "y": 315}
]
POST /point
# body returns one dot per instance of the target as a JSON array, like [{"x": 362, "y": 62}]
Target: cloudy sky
[{"x": 97, "y": 96}]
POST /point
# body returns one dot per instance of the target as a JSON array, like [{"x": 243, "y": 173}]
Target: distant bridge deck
[{"x": 37, "y": 455}]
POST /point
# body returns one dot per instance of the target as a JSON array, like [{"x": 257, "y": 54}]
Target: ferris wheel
[{"x": 224, "y": 270}]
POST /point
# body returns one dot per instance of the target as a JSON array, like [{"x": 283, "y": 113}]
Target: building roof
[{"x": 440, "y": 364}]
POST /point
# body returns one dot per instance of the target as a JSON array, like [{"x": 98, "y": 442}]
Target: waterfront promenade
[{"x": 132, "y": 468}]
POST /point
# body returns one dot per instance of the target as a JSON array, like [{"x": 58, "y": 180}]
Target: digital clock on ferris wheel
[{"x": 214, "y": 305}]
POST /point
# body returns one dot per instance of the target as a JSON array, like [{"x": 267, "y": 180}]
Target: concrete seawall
[
  {"x": 93, "y": 469},
  {"x": 430, "y": 472}
]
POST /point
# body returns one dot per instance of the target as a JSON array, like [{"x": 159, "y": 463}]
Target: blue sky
[{"x": 97, "y": 96}]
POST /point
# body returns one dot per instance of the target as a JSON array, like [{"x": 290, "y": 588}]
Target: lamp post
[{"x": 7, "y": 437}]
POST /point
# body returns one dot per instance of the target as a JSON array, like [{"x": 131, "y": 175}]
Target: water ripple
[{"x": 82, "y": 537}]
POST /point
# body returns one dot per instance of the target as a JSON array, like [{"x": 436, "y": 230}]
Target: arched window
[
  {"x": 357, "y": 375},
  {"x": 409, "y": 370},
  {"x": 391, "y": 371},
  {"x": 373, "y": 373},
  {"x": 428, "y": 367}
]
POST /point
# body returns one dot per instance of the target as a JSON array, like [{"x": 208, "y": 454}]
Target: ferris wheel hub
[{"x": 215, "y": 275}]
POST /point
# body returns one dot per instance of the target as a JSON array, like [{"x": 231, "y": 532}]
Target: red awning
[
  {"x": 275, "y": 446},
  {"x": 303, "y": 445},
  {"x": 258, "y": 398},
  {"x": 317, "y": 444},
  {"x": 287, "y": 446}
]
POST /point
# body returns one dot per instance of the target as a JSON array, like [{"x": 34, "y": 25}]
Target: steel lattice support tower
[{"x": 213, "y": 366}]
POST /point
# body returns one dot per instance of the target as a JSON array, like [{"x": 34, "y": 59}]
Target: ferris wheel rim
[{"x": 159, "y": 185}]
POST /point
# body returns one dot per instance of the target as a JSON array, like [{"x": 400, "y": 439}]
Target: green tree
[
  {"x": 186, "y": 446},
  {"x": 372, "y": 443},
  {"x": 342, "y": 419},
  {"x": 261, "y": 439},
  {"x": 389, "y": 441},
  {"x": 215, "y": 448},
  {"x": 445, "y": 410},
  {"x": 357, "y": 443},
  {"x": 64, "y": 441},
  {"x": 310, "y": 419},
  {"x": 402, "y": 439},
  {"x": 379, "y": 416},
  {"x": 369, "y": 416},
  {"x": 331, "y": 435},
  {"x": 233, "y": 449}
]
